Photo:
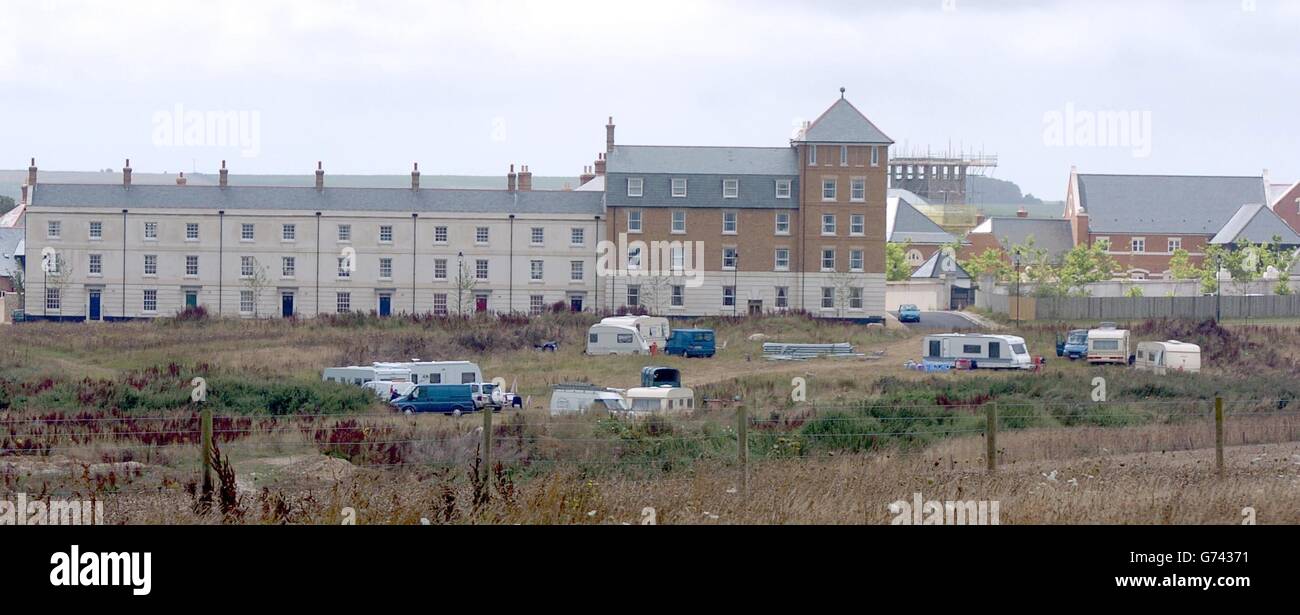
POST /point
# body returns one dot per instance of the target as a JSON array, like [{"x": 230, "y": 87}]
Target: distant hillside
[
  {"x": 982, "y": 190},
  {"x": 11, "y": 181}
]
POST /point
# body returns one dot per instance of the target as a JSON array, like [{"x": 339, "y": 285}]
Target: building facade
[
  {"x": 685, "y": 231},
  {"x": 800, "y": 226}
]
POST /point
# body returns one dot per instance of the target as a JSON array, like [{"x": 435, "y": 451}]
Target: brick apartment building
[{"x": 799, "y": 226}]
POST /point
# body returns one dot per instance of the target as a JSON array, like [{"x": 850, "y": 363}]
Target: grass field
[{"x": 103, "y": 410}]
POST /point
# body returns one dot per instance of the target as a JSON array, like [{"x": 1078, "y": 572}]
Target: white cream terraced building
[{"x": 127, "y": 251}]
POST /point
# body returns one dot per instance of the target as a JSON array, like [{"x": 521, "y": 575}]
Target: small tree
[
  {"x": 844, "y": 282},
  {"x": 256, "y": 283},
  {"x": 655, "y": 289},
  {"x": 1085, "y": 264},
  {"x": 990, "y": 262},
  {"x": 896, "y": 267},
  {"x": 465, "y": 284}
]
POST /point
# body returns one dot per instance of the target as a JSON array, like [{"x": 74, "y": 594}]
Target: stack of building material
[{"x": 778, "y": 351}]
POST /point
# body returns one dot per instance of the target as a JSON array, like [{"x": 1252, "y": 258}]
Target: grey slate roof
[
  {"x": 11, "y": 240},
  {"x": 906, "y": 223},
  {"x": 843, "y": 123},
  {"x": 699, "y": 160},
  {"x": 932, "y": 269},
  {"x": 1185, "y": 204},
  {"x": 1257, "y": 224},
  {"x": 308, "y": 198},
  {"x": 1053, "y": 235}
]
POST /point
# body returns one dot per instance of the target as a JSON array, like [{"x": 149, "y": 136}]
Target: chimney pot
[
  {"x": 31, "y": 173},
  {"x": 126, "y": 173},
  {"x": 223, "y": 175},
  {"x": 525, "y": 179},
  {"x": 511, "y": 179},
  {"x": 609, "y": 135},
  {"x": 415, "y": 177},
  {"x": 180, "y": 179},
  {"x": 1022, "y": 212},
  {"x": 320, "y": 176}
]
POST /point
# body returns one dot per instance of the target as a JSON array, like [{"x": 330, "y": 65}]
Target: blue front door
[
  {"x": 385, "y": 305},
  {"x": 94, "y": 305},
  {"x": 286, "y": 305}
]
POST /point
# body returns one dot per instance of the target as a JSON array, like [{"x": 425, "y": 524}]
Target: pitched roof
[
  {"x": 904, "y": 222},
  {"x": 13, "y": 218},
  {"x": 308, "y": 198},
  {"x": 939, "y": 263},
  {"x": 1191, "y": 204},
  {"x": 703, "y": 160},
  {"x": 843, "y": 123},
  {"x": 1277, "y": 191},
  {"x": 1257, "y": 224},
  {"x": 11, "y": 240},
  {"x": 1053, "y": 235}
]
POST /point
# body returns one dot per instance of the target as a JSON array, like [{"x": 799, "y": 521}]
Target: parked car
[
  {"x": 909, "y": 313},
  {"x": 691, "y": 343},
  {"x": 658, "y": 376},
  {"x": 484, "y": 396},
  {"x": 1074, "y": 346},
  {"x": 453, "y": 399}
]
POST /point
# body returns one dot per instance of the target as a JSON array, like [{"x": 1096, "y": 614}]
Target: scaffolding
[{"x": 941, "y": 178}]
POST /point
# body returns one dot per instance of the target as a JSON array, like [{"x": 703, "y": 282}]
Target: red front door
[{"x": 480, "y": 303}]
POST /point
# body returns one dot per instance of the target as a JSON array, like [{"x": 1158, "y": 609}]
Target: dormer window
[
  {"x": 635, "y": 186},
  {"x": 679, "y": 187},
  {"x": 730, "y": 188}
]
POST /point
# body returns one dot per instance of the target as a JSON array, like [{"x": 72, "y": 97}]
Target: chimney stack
[
  {"x": 609, "y": 135},
  {"x": 415, "y": 177},
  {"x": 180, "y": 179},
  {"x": 223, "y": 175},
  {"x": 126, "y": 174},
  {"x": 600, "y": 164},
  {"x": 320, "y": 176},
  {"x": 586, "y": 176},
  {"x": 510, "y": 179},
  {"x": 31, "y": 173},
  {"x": 1022, "y": 212},
  {"x": 525, "y": 179}
]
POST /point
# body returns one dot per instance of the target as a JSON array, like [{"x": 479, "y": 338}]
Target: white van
[
  {"x": 654, "y": 329},
  {"x": 615, "y": 339},
  {"x": 1172, "y": 355},
  {"x": 1108, "y": 345},
  {"x": 438, "y": 372},
  {"x": 660, "y": 399},
  {"x": 982, "y": 351},
  {"x": 359, "y": 375},
  {"x": 570, "y": 398}
]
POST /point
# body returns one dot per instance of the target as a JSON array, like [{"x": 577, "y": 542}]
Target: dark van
[
  {"x": 691, "y": 343},
  {"x": 453, "y": 399}
]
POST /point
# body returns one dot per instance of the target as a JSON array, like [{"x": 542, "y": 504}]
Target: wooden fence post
[
  {"x": 991, "y": 436},
  {"x": 1218, "y": 434},
  {"x": 205, "y": 426},
  {"x": 487, "y": 447},
  {"x": 742, "y": 448}
]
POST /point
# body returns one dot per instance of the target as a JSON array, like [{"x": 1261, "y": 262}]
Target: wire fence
[{"x": 52, "y": 451}]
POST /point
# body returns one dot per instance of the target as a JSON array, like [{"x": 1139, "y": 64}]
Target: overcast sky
[{"x": 467, "y": 88}]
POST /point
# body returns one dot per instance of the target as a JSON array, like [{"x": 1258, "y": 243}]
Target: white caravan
[
  {"x": 438, "y": 372},
  {"x": 983, "y": 351},
  {"x": 359, "y": 375},
  {"x": 1108, "y": 345},
  {"x": 1172, "y": 355},
  {"x": 615, "y": 339},
  {"x": 654, "y": 329},
  {"x": 660, "y": 399},
  {"x": 570, "y": 398}
]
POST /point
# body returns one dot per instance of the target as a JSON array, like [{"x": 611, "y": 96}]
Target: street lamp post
[
  {"x": 1015, "y": 259},
  {"x": 460, "y": 283}
]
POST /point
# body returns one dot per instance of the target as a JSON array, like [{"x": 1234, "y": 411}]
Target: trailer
[
  {"x": 361, "y": 374},
  {"x": 1108, "y": 345},
  {"x": 644, "y": 400},
  {"x": 978, "y": 350},
  {"x": 653, "y": 329},
  {"x": 1163, "y": 357},
  {"x": 606, "y": 339},
  {"x": 579, "y": 398},
  {"x": 438, "y": 372}
]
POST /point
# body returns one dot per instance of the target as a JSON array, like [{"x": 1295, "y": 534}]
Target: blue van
[
  {"x": 691, "y": 343},
  {"x": 453, "y": 399}
]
